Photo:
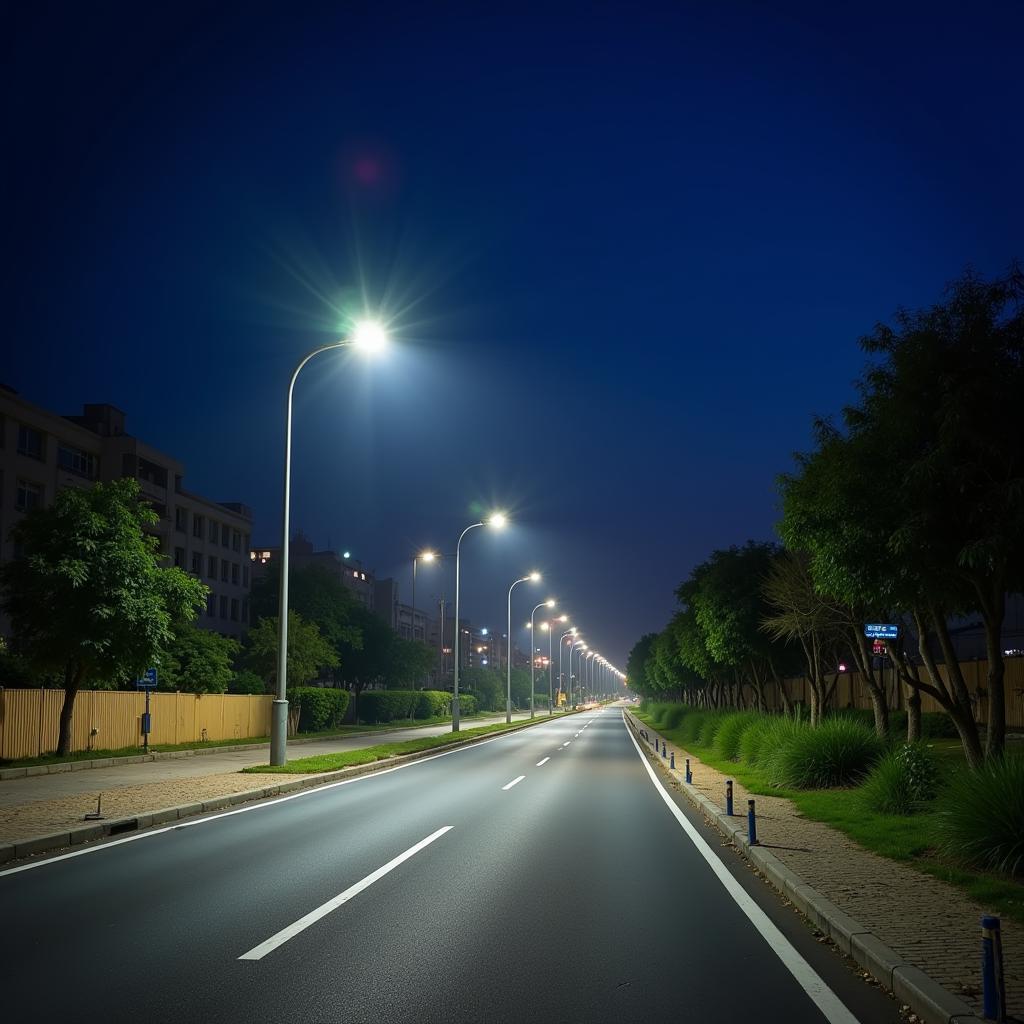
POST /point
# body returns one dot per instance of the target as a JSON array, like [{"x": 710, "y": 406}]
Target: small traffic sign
[
  {"x": 148, "y": 680},
  {"x": 881, "y": 631},
  {"x": 878, "y": 647}
]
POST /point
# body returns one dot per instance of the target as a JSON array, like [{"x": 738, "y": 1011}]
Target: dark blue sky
[{"x": 628, "y": 250}]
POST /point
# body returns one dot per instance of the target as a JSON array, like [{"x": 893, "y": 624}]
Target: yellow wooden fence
[{"x": 111, "y": 720}]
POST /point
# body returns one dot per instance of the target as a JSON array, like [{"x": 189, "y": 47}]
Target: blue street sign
[
  {"x": 881, "y": 631},
  {"x": 148, "y": 680}
]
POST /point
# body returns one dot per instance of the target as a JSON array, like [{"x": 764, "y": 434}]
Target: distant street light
[
  {"x": 533, "y": 577},
  {"x": 497, "y": 521},
  {"x": 572, "y": 650},
  {"x": 561, "y": 640},
  {"x": 367, "y": 336},
  {"x": 550, "y": 627},
  {"x": 549, "y": 603}
]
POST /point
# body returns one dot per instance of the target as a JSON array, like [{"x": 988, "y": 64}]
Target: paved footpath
[
  {"x": 935, "y": 926},
  {"x": 43, "y": 804}
]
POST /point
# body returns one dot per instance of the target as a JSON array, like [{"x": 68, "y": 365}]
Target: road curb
[
  {"x": 169, "y": 755},
  {"x": 120, "y": 826},
  {"x": 912, "y": 986}
]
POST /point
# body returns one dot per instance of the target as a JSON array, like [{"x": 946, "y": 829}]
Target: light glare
[{"x": 369, "y": 336}]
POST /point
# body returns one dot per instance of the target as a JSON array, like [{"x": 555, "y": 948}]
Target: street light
[
  {"x": 367, "y": 336},
  {"x": 561, "y": 639},
  {"x": 550, "y": 627},
  {"x": 589, "y": 668},
  {"x": 533, "y": 577},
  {"x": 497, "y": 521},
  {"x": 572, "y": 650},
  {"x": 423, "y": 556},
  {"x": 549, "y": 603}
]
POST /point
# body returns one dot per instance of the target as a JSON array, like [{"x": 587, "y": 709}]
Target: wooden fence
[
  {"x": 112, "y": 719},
  {"x": 851, "y": 691}
]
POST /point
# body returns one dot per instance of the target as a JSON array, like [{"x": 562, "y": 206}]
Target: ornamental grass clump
[
  {"x": 730, "y": 732},
  {"x": 709, "y": 727},
  {"x": 837, "y": 753},
  {"x": 981, "y": 816},
  {"x": 691, "y": 726},
  {"x": 775, "y": 740},
  {"x": 673, "y": 716},
  {"x": 753, "y": 737},
  {"x": 902, "y": 782}
]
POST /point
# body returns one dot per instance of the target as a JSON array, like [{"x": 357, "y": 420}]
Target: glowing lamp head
[
  {"x": 534, "y": 577},
  {"x": 545, "y": 626},
  {"x": 427, "y": 556},
  {"x": 369, "y": 336},
  {"x": 498, "y": 521},
  {"x": 550, "y": 602}
]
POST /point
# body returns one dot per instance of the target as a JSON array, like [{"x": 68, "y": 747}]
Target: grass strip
[
  {"x": 384, "y": 751},
  {"x": 159, "y": 748},
  {"x": 905, "y": 839}
]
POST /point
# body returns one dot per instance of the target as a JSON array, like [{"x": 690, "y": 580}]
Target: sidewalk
[
  {"x": 927, "y": 923},
  {"x": 41, "y": 805}
]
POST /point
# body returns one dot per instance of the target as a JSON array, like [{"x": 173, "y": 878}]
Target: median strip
[{"x": 260, "y": 951}]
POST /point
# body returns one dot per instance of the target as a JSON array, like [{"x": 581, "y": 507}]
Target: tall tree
[
  {"x": 198, "y": 661},
  {"x": 309, "y": 652},
  {"x": 88, "y": 597}
]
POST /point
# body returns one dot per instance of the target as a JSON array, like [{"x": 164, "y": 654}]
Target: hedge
[
  {"x": 319, "y": 708},
  {"x": 375, "y": 706}
]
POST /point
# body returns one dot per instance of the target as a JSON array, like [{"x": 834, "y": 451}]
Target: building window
[
  {"x": 197, "y": 525},
  {"x": 223, "y": 606},
  {"x": 245, "y": 542},
  {"x": 245, "y": 610},
  {"x": 245, "y": 575},
  {"x": 179, "y": 557},
  {"x": 30, "y": 442},
  {"x": 211, "y": 605},
  {"x": 197, "y": 563},
  {"x": 236, "y": 541},
  {"x": 74, "y": 460},
  {"x": 225, "y": 535},
  {"x": 211, "y": 567},
  {"x": 223, "y": 570},
  {"x": 214, "y": 531},
  {"x": 234, "y": 609},
  {"x": 234, "y": 573},
  {"x": 180, "y": 518},
  {"x": 152, "y": 473},
  {"x": 29, "y": 496}
]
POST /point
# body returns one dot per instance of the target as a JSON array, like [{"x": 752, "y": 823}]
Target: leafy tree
[
  {"x": 408, "y": 663},
  {"x": 247, "y": 681},
  {"x": 88, "y": 598},
  {"x": 198, "y": 661},
  {"x": 520, "y": 688},
  {"x": 308, "y": 651},
  {"x": 636, "y": 666},
  {"x": 486, "y": 684}
]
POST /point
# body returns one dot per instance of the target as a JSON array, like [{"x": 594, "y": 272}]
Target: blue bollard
[
  {"x": 728, "y": 797},
  {"x": 992, "y": 983},
  {"x": 663, "y": 751},
  {"x": 689, "y": 775},
  {"x": 672, "y": 759},
  {"x": 751, "y": 824}
]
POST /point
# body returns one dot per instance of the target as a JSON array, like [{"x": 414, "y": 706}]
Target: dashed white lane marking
[
  {"x": 260, "y": 951},
  {"x": 566, "y": 743},
  {"x": 515, "y": 781},
  {"x": 545, "y": 761}
]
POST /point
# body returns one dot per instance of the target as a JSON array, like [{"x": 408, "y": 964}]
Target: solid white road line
[
  {"x": 517, "y": 779},
  {"x": 834, "y": 1011},
  {"x": 545, "y": 761},
  {"x": 260, "y": 951}
]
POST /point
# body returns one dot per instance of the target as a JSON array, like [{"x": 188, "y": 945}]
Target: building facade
[{"x": 42, "y": 453}]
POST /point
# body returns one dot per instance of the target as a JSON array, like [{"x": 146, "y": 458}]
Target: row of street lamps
[{"x": 370, "y": 337}]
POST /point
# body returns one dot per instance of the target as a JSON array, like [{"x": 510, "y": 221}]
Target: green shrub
[
  {"x": 709, "y": 727},
  {"x": 673, "y": 716},
  {"x": 433, "y": 704},
  {"x": 727, "y": 737},
  {"x": 657, "y": 711},
  {"x": 691, "y": 725},
  {"x": 778, "y": 735},
  {"x": 838, "y": 753},
  {"x": 981, "y": 816},
  {"x": 319, "y": 707},
  {"x": 862, "y": 716},
  {"x": 752, "y": 738},
  {"x": 467, "y": 704},
  {"x": 247, "y": 681},
  {"x": 902, "y": 781},
  {"x": 937, "y": 725},
  {"x": 375, "y": 706}
]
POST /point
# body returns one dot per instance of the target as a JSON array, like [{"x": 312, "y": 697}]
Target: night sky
[{"x": 627, "y": 251}]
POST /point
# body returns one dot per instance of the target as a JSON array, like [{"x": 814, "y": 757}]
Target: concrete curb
[
  {"x": 929, "y": 1000},
  {"x": 118, "y": 826}
]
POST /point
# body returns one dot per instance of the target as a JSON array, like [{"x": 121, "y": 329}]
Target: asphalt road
[{"x": 486, "y": 884}]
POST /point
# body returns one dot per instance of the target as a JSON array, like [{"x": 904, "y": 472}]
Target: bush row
[
  {"x": 978, "y": 815},
  {"x": 318, "y": 707},
  {"x": 376, "y": 706}
]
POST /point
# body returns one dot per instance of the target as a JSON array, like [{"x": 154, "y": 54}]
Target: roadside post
[
  {"x": 147, "y": 683},
  {"x": 992, "y": 981},
  {"x": 728, "y": 797}
]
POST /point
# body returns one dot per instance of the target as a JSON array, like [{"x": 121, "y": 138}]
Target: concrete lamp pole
[
  {"x": 549, "y": 603},
  {"x": 369, "y": 337},
  {"x": 497, "y": 521},
  {"x": 561, "y": 641},
  {"x": 533, "y": 577},
  {"x": 572, "y": 650}
]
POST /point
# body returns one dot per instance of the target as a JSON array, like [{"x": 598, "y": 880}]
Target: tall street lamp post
[
  {"x": 572, "y": 650},
  {"x": 549, "y": 603},
  {"x": 497, "y": 521},
  {"x": 561, "y": 641},
  {"x": 369, "y": 337},
  {"x": 550, "y": 627},
  {"x": 423, "y": 556},
  {"x": 533, "y": 577}
]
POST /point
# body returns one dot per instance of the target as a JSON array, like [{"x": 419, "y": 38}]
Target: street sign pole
[{"x": 148, "y": 682}]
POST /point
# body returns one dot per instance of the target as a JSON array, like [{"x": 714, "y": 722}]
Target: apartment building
[{"x": 42, "y": 452}]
